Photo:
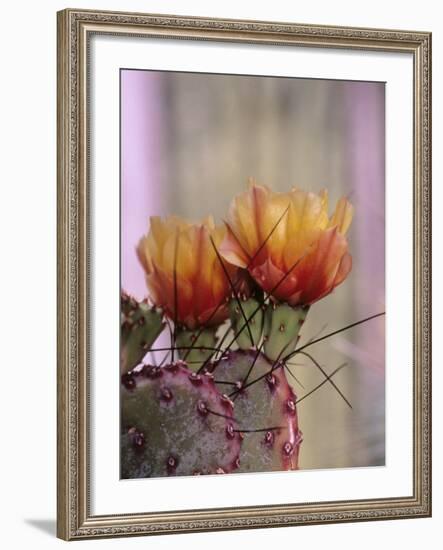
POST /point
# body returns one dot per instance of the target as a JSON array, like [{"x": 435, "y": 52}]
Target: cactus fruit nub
[
  {"x": 245, "y": 328},
  {"x": 201, "y": 340},
  {"x": 175, "y": 422},
  {"x": 140, "y": 327},
  {"x": 267, "y": 405},
  {"x": 281, "y": 329}
]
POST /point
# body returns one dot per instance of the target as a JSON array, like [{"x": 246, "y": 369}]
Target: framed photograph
[{"x": 243, "y": 274}]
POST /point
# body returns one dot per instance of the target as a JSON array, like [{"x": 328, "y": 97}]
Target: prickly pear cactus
[
  {"x": 281, "y": 329},
  {"x": 175, "y": 422},
  {"x": 265, "y": 411},
  {"x": 195, "y": 346},
  {"x": 140, "y": 327}
]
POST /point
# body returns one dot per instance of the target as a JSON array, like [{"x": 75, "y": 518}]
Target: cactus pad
[
  {"x": 175, "y": 422},
  {"x": 140, "y": 327},
  {"x": 267, "y": 405}
]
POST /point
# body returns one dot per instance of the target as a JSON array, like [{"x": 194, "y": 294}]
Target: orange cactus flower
[
  {"x": 288, "y": 242},
  {"x": 197, "y": 294}
]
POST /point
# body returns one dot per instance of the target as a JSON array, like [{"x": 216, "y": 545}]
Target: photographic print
[{"x": 252, "y": 274}]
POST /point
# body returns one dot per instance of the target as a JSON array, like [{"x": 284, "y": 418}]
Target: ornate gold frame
[{"x": 74, "y": 519}]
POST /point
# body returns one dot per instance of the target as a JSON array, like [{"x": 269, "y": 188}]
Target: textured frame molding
[{"x": 74, "y": 520}]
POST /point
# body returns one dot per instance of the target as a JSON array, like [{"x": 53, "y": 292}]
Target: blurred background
[{"x": 189, "y": 142}]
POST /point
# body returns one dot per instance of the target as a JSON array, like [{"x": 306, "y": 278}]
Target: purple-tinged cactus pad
[
  {"x": 175, "y": 422},
  {"x": 268, "y": 405}
]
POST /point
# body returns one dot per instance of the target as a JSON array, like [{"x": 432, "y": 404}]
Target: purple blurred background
[{"x": 189, "y": 143}]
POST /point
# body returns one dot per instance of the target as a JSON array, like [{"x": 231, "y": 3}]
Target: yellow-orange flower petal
[
  {"x": 196, "y": 295},
  {"x": 288, "y": 243}
]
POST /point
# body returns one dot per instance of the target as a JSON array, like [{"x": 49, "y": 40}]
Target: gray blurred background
[{"x": 191, "y": 141}]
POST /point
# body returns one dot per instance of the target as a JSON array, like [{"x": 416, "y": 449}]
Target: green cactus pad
[
  {"x": 175, "y": 422},
  {"x": 268, "y": 405},
  {"x": 140, "y": 327},
  {"x": 281, "y": 329},
  {"x": 254, "y": 318},
  {"x": 199, "y": 340}
]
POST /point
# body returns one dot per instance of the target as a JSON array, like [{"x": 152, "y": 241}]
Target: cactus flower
[
  {"x": 288, "y": 242},
  {"x": 197, "y": 295}
]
